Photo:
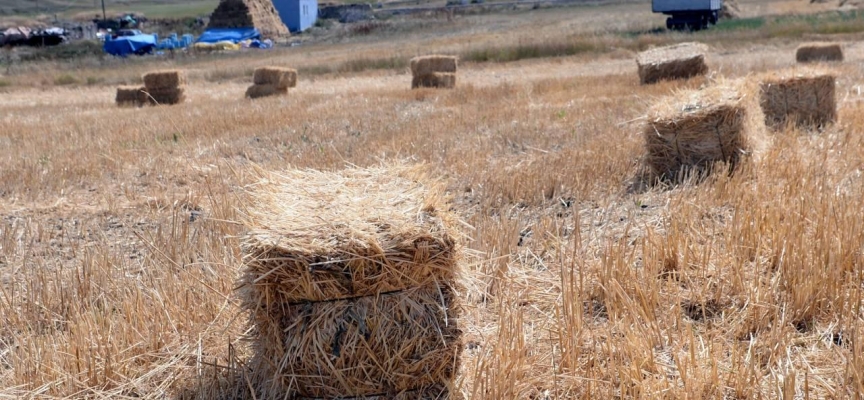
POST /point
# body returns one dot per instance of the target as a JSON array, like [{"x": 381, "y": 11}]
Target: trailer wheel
[{"x": 669, "y": 24}]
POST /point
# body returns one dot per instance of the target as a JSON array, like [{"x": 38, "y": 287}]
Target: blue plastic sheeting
[
  {"x": 125, "y": 45},
  {"x": 233, "y": 35}
]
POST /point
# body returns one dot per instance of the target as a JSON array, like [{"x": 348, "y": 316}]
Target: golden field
[{"x": 119, "y": 240}]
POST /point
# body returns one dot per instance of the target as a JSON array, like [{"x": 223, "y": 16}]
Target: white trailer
[{"x": 688, "y": 14}]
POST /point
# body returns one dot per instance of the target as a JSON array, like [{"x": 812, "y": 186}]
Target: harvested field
[{"x": 122, "y": 229}]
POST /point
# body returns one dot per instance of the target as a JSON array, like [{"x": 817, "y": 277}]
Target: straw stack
[
  {"x": 271, "y": 81},
  {"x": 802, "y": 97},
  {"x": 259, "y": 14},
  {"x": 433, "y": 71},
  {"x": 130, "y": 96},
  {"x": 819, "y": 52},
  {"x": 350, "y": 281},
  {"x": 690, "y": 131},
  {"x": 680, "y": 61},
  {"x": 164, "y": 87}
]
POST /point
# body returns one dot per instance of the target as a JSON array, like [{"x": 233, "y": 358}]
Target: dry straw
[
  {"x": 426, "y": 65},
  {"x": 369, "y": 346},
  {"x": 281, "y": 78},
  {"x": 441, "y": 80},
  {"x": 350, "y": 281},
  {"x": 819, "y": 52},
  {"x": 341, "y": 235},
  {"x": 692, "y": 130},
  {"x": 260, "y": 14},
  {"x": 257, "y": 91},
  {"x": 803, "y": 97},
  {"x": 679, "y": 61},
  {"x": 159, "y": 80},
  {"x": 130, "y": 96}
]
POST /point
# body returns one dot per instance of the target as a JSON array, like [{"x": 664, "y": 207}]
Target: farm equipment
[{"x": 688, "y": 14}]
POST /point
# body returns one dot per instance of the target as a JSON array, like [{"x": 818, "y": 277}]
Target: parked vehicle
[{"x": 688, "y": 14}]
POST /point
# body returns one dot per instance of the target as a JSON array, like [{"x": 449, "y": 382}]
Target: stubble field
[{"x": 119, "y": 243}]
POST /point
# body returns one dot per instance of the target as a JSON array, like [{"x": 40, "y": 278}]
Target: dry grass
[{"x": 119, "y": 253}]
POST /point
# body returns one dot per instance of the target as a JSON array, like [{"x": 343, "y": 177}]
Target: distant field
[{"x": 151, "y": 8}]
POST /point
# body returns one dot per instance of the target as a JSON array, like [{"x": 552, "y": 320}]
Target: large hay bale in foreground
[
  {"x": 281, "y": 78},
  {"x": 130, "y": 96},
  {"x": 165, "y": 96},
  {"x": 257, "y": 91},
  {"x": 163, "y": 80},
  {"x": 819, "y": 52},
  {"x": 427, "y": 65},
  {"x": 350, "y": 281},
  {"x": 366, "y": 346},
  {"x": 803, "y": 97},
  {"x": 692, "y": 130},
  {"x": 679, "y": 61},
  {"x": 441, "y": 80}
]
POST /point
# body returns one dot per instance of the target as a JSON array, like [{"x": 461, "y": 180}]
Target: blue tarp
[
  {"x": 233, "y": 35},
  {"x": 125, "y": 45}
]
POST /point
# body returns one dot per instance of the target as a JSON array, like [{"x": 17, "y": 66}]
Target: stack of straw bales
[
  {"x": 819, "y": 52},
  {"x": 271, "y": 81},
  {"x": 351, "y": 282},
  {"x": 803, "y": 97},
  {"x": 434, "y": 71},
  {"x": 131, "y": 96},
  {"x": 690, "y": 131},
  {"x": 164, "y": 87},
  {"x": 679, "y": 61},
  {"x": 249, "y": 13}
]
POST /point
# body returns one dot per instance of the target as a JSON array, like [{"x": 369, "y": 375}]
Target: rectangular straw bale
[
  {"x": 256, "y": 91},
  {"x": 165, "y": 96},
  {"x": 317, "y": 236},
  {"x": 694, "y": 129},
  {"x": 281, "y": 78},
  {"x": 167, "y": 79},
  {"x": 426, "y": 65},
  {"x": 680, "y": 61},
  {"x": 373, "y": 346},
  {"x": 819, "y": 52},
  {"x": 803, "y": 97},
  {"x": 441, "y": 80},
  {"x": 130, "y": 96}
]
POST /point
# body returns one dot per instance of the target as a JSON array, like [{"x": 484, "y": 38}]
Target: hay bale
[
  {"x": 372, "y": 345},
  {"x": 163, "y": 80},
  {"x": 679, "y": 61},
  {"x": 692, "y": 130},
  {"x": 350, "y": 281},
  {"x": 165, "y": 96},
  {"x": 130, "y": 96},
  {"x": 441, "y": 80},
  {"x": 427, "y": 65},
  {"x": 819, "y": 52},
  {"x": 260, "y": 14},
  {"x": 257, "y": 91},
  {"x": 803, "y": 97},
  {"x": 730, "y": 10},
  {"x": 281, "y": 78}
]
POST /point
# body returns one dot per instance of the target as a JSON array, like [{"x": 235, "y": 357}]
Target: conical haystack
[{"x": 249, "y": 13}]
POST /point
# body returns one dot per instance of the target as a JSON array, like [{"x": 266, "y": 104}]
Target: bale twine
[
  {"x": 351, "y": 281},
  {"x": 130, "y": 96},
  {"x": 282, "y": 78},
  {"x": 819, "y": 52},
  {"x": 169, "y": 79},
  {"x": 680, "y": 61},
  {"x": 443, "y": 80},
  {"x": 803, "y": 97},
  {"x": 692, "y": 130}
]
